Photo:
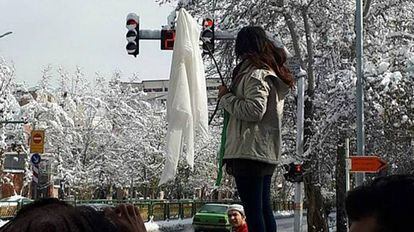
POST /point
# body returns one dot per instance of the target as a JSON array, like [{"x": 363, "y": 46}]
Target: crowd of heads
[{"x": 53, "y": 215}]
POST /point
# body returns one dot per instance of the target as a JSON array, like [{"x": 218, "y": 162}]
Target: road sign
[
  {"x": 37, "y": 141},
  {"x": 35, "y": 159},
  {"x": 368, "y": 164},
  {"x": 35, "y": 173}
]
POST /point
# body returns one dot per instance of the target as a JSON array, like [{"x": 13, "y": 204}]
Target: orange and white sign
[
  {"x": 37, "y": 141},
  {"x": 368, "y": 164}
]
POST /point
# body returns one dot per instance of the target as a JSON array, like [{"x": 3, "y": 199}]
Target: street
[{"x": 283, "y": 225}]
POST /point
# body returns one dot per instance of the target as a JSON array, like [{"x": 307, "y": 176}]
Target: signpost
[
  {"x": 35, "y": 159},
  {"x": 37, "y": 141},
  {"x": 367, "y": 164}
]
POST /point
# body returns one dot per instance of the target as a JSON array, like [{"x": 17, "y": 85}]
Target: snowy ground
[
  {"x": 2, "y": 222},
  {"x": 176, "y": 225},
  {"x": 179, "y": 225}
]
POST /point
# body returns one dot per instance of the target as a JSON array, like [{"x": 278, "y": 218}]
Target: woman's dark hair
[
  {"x": 253, "y": 44},
  {"x": 53, "y": 215}
]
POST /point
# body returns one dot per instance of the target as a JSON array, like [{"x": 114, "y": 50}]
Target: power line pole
[
  {"x": 360, "y": 177},
  {"x": 300, "y": 119}
]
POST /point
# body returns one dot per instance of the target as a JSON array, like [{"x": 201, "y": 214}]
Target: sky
[{"x": 85, "y": 33}]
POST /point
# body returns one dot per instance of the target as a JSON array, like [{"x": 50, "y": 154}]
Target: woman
[{"x": 255, "y": 105}]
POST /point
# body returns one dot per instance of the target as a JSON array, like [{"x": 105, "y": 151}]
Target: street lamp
[{"x": 7, "y": 33}]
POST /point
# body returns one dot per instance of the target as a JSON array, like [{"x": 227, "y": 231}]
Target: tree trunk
[
  {"x": 316, "y": 216},
  {"x": 315, "y": 211}
]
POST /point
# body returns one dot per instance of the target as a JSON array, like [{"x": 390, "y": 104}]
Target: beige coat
[{"x": 255, "y": 107}]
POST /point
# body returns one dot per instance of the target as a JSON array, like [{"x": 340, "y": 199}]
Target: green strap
[{"x": 222, "y": 146}]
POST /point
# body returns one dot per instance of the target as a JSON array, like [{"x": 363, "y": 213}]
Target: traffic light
[
  {"x": 294, "y": 172},
  {"x": 167, "y": 39},
  {"x": 207, "y": 35},
  {"x": 132, "y": 36}
]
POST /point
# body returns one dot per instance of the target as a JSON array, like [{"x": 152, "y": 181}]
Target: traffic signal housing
[
  {"x": 294, "y": 172},
  {"x": 132, "y": 36},
  {"x": 167, "y": 39},
  {"x": 207, "y": 35}
]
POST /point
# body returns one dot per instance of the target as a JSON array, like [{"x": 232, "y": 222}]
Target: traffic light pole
[
  {"x": 360, "y": 177},
  {"x": 156, "y": 35},
  {"x": 298, "y": 206}
]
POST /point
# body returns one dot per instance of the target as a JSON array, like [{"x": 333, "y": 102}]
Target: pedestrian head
[
  {"x": 253, "y": 44},
  {"x": 52, "y": 215},
  {"x": 236, "y": 215},
  {"x": 384, "y": 205}
]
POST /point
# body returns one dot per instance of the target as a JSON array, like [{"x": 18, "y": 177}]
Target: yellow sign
[{"x": 37, "y": 141}]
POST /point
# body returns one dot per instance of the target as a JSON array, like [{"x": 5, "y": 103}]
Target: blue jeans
[{"x": 254, "y": 192}]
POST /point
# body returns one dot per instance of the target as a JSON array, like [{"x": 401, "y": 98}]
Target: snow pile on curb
[
  {"x": 2, "y": 222},
  {"x": 172, "y": 225}
]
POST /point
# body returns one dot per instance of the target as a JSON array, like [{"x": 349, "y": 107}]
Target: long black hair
[{"x": 253, "y": 44}]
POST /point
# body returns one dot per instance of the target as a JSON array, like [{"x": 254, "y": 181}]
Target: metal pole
[
  {"x": 347, "y": 182},
  {"x": 13, "y": 122},
  {"x": 360, "y": 87},
  {"x": 297, "y": 227},
  {"x": 298, "y": 207},
  {"x": 156, "y": 35}
]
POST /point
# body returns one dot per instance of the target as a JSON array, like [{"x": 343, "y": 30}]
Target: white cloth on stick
[{"x": 187, "y": 96}]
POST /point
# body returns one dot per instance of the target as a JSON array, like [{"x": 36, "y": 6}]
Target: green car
[{"x": 212, "y": 217}]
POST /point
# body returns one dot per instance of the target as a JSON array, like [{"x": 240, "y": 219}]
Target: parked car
[{"x": 211, "y": 217}]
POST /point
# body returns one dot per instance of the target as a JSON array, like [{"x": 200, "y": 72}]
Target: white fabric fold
[{"x": 187, "y": 96}]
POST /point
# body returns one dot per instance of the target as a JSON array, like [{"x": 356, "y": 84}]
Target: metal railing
[{"x": 156, "y": 210}]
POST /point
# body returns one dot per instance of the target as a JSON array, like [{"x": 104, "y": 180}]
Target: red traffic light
[
  {"x": 298, "y": 168},
  {"x": 294, "y": 172},
  {"x": 132, "y": 21},
  {"x": 131, "y": 24},
  {"x": 132, "y": 36},
  {"x": 207, "y": 35},
  {"x": 208, "y": 23},
  {"x": 167, "y": 39}
]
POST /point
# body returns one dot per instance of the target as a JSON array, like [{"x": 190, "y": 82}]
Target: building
[{"x": 158, "y": 89}]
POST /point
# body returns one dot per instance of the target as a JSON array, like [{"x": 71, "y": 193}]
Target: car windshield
[{"x": 213, "y": 209}]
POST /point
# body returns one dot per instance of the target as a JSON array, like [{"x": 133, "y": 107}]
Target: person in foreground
[
  {"x": 384, "y": 205},
  {"x": 254, "y": 103},
  {"x": 52, "y": 215},
  {"x": 237, "y": 218}
]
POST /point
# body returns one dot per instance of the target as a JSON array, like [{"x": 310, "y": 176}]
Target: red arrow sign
[{"x": 370, "y": 164}]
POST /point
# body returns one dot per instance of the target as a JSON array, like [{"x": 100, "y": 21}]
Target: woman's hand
[
  {"x": 126, "y": 217},
  {"x": 222, "y": 90}
]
